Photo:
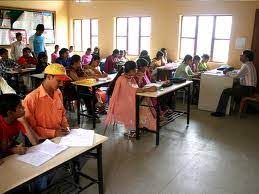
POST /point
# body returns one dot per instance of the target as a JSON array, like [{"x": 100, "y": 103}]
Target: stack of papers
[
  {"x": 78, "y": 138},
  {"x": 41, "y": 153}
]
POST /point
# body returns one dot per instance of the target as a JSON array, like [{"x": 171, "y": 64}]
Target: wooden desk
[
  {"x": 94, "y": 87},
  {"x": 158, "y": 94},
  {"x": 23, "y": 71},
  {"x": 15, "y": 173},
  {"x": 37, "y": 79}
]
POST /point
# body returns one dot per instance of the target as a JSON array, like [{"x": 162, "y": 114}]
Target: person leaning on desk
[{"x": 248, "y": 80}]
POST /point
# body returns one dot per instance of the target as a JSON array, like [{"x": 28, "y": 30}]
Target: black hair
[
  {"x": 143, "y": 53},
  {"x": 8, "y": 102},
  {"x": 94, "y": 58},
  {"x": 56, "y": 46},
  {"x": 196, "y": 57},
  {"x": 249, "y": 55},
  {"x": 115, "y": 52},
  {"x": 129, "y": 65},
  {"x": 42, "y": 55},
  {"x": 163, "y": 49},
  {"x": 40, "y": 27},
  {"x": 121, "y": 52},
  {"x": 205, "y": 56},
  {"x": 71, "y": 47},
  {"x": 62, "y": 51},
  {"x": 159, "y": 54},
  {"x": 3, "y": 51},
  {"x": 18, "y": 34},
  {"x": 187, "y": 58},
  {"x": 26, "y": 49},
  {"x": 75, "y": 59},
  {"x": 89, "y": 49},
  {"x": 142, "y": 63}
]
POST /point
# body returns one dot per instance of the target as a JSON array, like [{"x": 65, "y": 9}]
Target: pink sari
[{"x": 122, "y": 106}]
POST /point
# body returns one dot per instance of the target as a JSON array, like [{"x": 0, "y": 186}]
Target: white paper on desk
[
  {"x": 78, "y": 138},
  {"x": 41, "y": 153},
  {"x": 158, "y": 85}
]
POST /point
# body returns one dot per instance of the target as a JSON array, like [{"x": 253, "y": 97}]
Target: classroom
[{"x": 129, "y": 96}]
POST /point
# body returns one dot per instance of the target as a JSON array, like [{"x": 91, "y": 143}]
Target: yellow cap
[{"x": 58, "y": 70}]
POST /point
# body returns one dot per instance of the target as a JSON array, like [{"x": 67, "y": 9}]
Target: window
[
  {"x": 206, "y": 35},
  {"x": 133, "y": 34},
  {"x": 85, "y": 34}
]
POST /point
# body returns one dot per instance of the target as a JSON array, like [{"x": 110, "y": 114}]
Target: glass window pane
[
  {"x": 145, "y": 26},
  {"x": 145, "y": 43},
  {"x": 94, "y": 27},
  {"x": 122, "y": 43},
  {"x": 86, "y": 34},
  {"x": 94, "y": 41},
  {"x": 221, "y": 49},
  {"x": 187, "y": 47},
  {"x": 223, "y": 27},
  {"x": 133, "y": 36},
  {"x": 188, "y": 26},
  {"x": 121, "y": 26},
  {"x": 77, "y": 35},
  {"x": 205, "y": 31}
]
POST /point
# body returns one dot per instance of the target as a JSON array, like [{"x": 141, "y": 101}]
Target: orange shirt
[{"x": 45, "y": 114}]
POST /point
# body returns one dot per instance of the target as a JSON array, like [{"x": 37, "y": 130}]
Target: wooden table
[
  {"x": 15, "y": 173},
  {"x": 37, "y": 79},
  {"x": 158, "y": 94},
  {"x": 94, "y": 87}
]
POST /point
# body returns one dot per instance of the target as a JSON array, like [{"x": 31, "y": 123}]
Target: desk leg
[
  {"x": 94, "y": 108},
  {"x": 78, "y": 106},
  {"x": 188, "y": 104},
  {"x": 100, "y": 169},
  {"x": 157, "y": 121},
  {"x": 137, "y": 117}
]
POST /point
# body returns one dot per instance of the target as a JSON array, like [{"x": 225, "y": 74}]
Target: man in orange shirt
[{"x": 44, "y": 108}]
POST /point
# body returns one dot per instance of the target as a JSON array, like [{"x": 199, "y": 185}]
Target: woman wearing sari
[{"x": 123, "y": 101}]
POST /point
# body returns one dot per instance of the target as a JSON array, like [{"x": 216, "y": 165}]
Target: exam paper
[{"x": 78, "y": 138}]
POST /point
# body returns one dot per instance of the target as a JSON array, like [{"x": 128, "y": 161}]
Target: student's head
[
  {"x": 130, "y": 68},
  {"x": 159, "y": 55},
  {"x": 205, "y": 58},
  {"x": 42, "y": 57},
  {"x": 26, "y": 52},
  {"x": 247, "y": 55},
  {"x": 116, "y": 53},
  {"x": 4, "y": 53},
  {"x": 196, "y": 59},
  {"x": 71, "y": 49},
  {"x": 11, "y": 106},
  {"x": 96, "y": 50},
  {"x": 64, "y": 53},
  {"x": 18, "y": 36},
  {"x": 121, "y": 53},
  {"x": 56, "y": 48},
  {"x": 40, "y": 29},
  {"x": 54, "y": 76},
  {"x": 142, "y": 64},
  {"x": 95, "y": 61},
  {"x": 143, "y": 53},
  {"x": 187, "y": 60},
  {"x": 88, "y": 51},
  {"x": 164, "y": 51},
  {"x": 75, "y": 62}
]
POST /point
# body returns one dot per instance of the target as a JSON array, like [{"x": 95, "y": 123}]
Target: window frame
[
  {"x": 91, "y": 34},
  {"x": 127, "y": 35},
  {"x": 213, "y": 39}
]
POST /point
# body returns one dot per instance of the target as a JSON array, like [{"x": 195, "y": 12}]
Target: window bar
[
  {"x": 213, "y": 38},
  {"x": 196, "y": 35},
  {"x": 139, "y": 40},
  {"x": 127, "y": 43}
]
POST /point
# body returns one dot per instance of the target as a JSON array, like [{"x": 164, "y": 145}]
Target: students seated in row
[
  {"x": 42, "y": 62},
  {"x": 144, "y": 54},
  {"x": 5, "y": 88},
  {"x": 93, "y": 70},
  {"x": 17, "y": 47},
  {"x": 195, "y": 63},
  {"x": 96, "y": 51},
  {"x": 110, "y": 63},
  {"x": 5, "y": 62},
  {"x": 55, "y": 54},
  {"x": 44, "y": 108},
  {"x": 203, "y": 64},
  {"x": 87, "y": 57},
  {"x": 63, "y": 58},
  {"x": 26, "y": 60},
  {"x": 158, "y": 60},
  {"x": 247, "y": 76},
  {"x": 122, "y": 105}
]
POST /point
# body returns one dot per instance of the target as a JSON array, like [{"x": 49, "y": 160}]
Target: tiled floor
[{"x": 215, "y": 155}]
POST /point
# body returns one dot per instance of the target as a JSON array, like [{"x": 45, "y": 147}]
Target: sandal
[{"x": 130, "y": 134}]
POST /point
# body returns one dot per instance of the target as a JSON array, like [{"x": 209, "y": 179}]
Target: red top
[
  {"x": 27, "y": 61},
  {"x": 109, "y": 65}
]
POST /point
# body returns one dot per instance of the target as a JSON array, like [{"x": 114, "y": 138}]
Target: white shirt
[
  {"x": 5, "y": 88},
  {"x": 16, "y": 50}
]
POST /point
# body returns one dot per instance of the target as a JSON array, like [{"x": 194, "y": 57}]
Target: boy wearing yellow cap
[{"x": 44, "y": 108}]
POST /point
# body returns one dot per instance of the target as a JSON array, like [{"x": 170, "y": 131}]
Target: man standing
[
  {"x": 17, "y": 47},
  {"x": 37, "y": 41},
  {"x": 248, "y": 80}
]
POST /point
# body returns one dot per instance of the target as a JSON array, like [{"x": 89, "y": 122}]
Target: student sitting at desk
[
  {"x": 203, "y": 64},
  {"x": 184, "y": 70},
  {"x": 26, "y": 60},
  {"x": 87, "y": 57},
  {"x": 195, "y": 63},
  {"x": 144, "y": 54},
  {"x": 93, "y": 70},
  {"x": 122, "y": 105},
  {"x": 96, "y": 51},
  {"x": 248, "y": 81},
  {"x": 63, "y": 58},
  {"x": 71, "y": 50},
  {"x": 110, "y": 63},
  {"x": 54, "y": 55},
  {"x": 122, "y": 56},
  {"x": 17, "y": 47},
  {"x": 6, "y": 63},
  {"x": 158, "y": 60},
  {"x": 44, "y": 108},
  {"x": 164, "y": 59},
  {"x": 42, "y": 62}
]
